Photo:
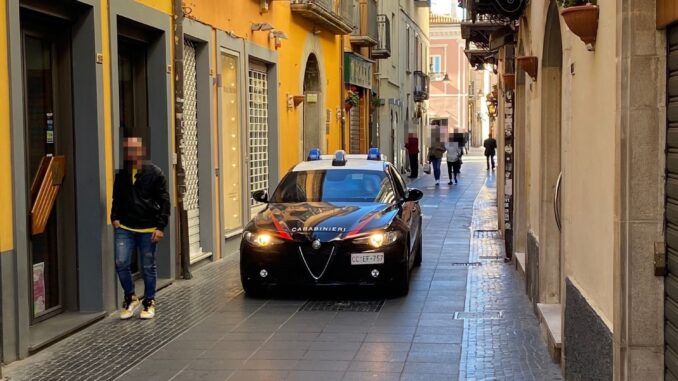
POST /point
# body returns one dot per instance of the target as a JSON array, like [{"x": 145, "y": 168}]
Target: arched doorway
[
  {"x": 312, "y": 128},
  {"x": 551, "y": 164}
]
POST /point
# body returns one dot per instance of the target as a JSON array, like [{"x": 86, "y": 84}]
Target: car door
[{"x": 409, "y": 209}]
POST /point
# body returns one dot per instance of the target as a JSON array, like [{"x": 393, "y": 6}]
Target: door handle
[{"x": 556, "y": 200}]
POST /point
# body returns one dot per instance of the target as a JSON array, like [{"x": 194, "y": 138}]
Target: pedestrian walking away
[
  {"x": 140, "y": 212},
  {"x": 454, "y": 154},
  {"x": 490, "y": 150},
  {"x": 435, "y": 156},
  {"x": 412, "y": 147}
]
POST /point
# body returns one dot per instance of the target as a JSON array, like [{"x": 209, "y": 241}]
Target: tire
[
  {"x": 418, "y": 251},
  {"x": 401, "y": 286},
  {"x": 252, "y": 289}
]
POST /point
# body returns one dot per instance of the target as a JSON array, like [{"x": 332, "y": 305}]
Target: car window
[
  {"x": 335, "y": 186},
  {"x": 399, "y": 182}
]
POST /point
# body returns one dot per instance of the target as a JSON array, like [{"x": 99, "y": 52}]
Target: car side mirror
[
  {"x": 414, "y": 194},
  {"x": 260, "y": 196}
]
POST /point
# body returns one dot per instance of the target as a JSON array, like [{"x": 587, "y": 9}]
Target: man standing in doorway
[
  {"x": 412, "y": 147},
  {"x": 490, "y": 150},
  {"x": 140, "y": 212}
]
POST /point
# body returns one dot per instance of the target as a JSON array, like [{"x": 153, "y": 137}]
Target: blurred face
[{"x": 134, "y": 151}]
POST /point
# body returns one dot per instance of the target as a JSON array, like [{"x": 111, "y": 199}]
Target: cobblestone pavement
[
  {"x": 501, "y": 338},
  {"x": 207, "y": 329}
]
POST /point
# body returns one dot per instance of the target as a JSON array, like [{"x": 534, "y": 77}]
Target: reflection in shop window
[{"x": 231, "y": 159}]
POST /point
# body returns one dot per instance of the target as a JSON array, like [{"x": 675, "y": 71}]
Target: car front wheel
[
  {"x": 252, "y": 289},
  {"x": 401, "y": 285}
]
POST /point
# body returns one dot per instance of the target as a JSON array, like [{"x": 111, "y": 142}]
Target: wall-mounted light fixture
[
  {"x": 439, "y": 76},
  {"x": 261, "y": 27},
  {"x": 263, "y": 6},
  {"x": 277, "y": 36}
]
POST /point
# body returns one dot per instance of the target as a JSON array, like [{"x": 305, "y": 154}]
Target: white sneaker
[
  {"x": 149, "y": 311},
  {"x": 129, "y": 308}
]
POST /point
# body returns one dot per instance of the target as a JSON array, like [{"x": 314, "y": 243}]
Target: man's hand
[
  {"x": 116, "y": 224},
  {"x": 157, "y": 236}
]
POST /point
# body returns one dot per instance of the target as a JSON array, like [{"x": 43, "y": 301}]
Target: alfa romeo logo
[{"x": 316, "y": 244}]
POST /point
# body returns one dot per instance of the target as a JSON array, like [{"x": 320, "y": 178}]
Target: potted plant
[
  {"x": 581, "y": 17},
  {"x": 529, "y": 65},
  {"x": 352, "y": 98},
  {"x": 509, "y": 81}
]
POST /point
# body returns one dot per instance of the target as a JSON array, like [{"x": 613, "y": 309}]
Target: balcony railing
[
  {"x": 421, "y": 85},
  {"x": 332, "y": 15},
  {"x": 383, "y": 48},
  {"x": 366, "y": 32},
  {"x": 505, "y": 10}
]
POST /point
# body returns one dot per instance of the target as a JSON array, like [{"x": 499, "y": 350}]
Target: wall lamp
[
  {"x": 261, "y": 27},
  {"x": 277, "y": 36}
]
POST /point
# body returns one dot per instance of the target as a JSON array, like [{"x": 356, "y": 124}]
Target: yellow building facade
[{"x": 262, "y": 84}]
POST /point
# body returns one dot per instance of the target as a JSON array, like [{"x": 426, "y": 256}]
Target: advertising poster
[{"x": 38, "y": 288}]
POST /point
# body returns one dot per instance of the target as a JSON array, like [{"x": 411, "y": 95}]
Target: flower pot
[
  {"x": 509, "y": 81},
  {"x": 347, "y": 106},
  {"x": 582, "y": 20},
  {"x": 529, "y": 65}
]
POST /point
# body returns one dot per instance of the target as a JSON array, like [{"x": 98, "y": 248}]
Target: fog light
[
  {"x": 263, "y": 273},
  {"x": 375, "y": 273}
]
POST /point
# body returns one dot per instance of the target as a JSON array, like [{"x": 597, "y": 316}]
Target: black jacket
[
  {"x": 490, "y": 146},
  {"x": 144, "y": 203}
]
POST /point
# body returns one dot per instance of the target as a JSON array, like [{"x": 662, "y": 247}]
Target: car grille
[{"x": 316, "y": 261}]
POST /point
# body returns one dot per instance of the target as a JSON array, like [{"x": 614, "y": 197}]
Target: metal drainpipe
[
  {"x": 178, "y": 19},
  {"x": 341, "y": 93}
]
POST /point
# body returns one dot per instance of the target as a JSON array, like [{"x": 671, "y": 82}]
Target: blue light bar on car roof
[
  {"x": 339, "y": 158},
  {"x": 313, "y": 154},
  {"x": 373, "y": 154}
]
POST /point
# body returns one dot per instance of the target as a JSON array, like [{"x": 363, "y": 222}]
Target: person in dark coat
[
  {"x": 435, "y": 155},
  {"x": 490, "y": 150},
  {"x": 454, "y": 154},
  {"x": 412, "y": 147},
  {"x": 140, "y": 213}
]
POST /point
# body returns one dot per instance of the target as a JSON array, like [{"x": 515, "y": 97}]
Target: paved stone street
[{"x": 466, "y": 317}]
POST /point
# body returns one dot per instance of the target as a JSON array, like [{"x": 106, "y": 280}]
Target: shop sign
[{"x": 357, "y": 71}]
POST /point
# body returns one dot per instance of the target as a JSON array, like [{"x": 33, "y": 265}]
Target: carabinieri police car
[{"x": 334, "y": 220}]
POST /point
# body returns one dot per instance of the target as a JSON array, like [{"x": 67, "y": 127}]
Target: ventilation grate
[
  {"x": 343, "y": 305},
  {"x": 466, "y": 264},
  {"x": 486, "y": 234},
  {"x": 481, "y": 315}
]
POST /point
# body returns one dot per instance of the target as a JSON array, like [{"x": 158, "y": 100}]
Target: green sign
[{"x": 357, "y": 71}]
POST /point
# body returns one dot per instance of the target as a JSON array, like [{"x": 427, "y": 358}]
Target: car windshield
[{"x": 337, "y": 185}]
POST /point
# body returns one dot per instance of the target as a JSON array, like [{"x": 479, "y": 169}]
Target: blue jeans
[
  {"x": 127, "y": 244},
  {"x": 435, "y": 163}
]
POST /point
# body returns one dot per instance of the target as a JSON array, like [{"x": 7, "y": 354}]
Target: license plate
[{"x": 367, "y": 259}]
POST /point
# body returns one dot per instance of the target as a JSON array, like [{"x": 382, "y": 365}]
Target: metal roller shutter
[
  {"x": 189, "y": 153},
  {"x": 258, "y": 131},
  {"x": 354, "y": 130},
  {"x": 671, "y": 282}
]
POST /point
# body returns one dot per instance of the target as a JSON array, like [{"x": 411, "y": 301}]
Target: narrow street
[{"x": 466, "y": 317}]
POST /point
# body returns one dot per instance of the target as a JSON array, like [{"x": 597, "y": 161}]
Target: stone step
[
  {"x": 520, "y": 263},
  {"x": 550, "y": 322}
]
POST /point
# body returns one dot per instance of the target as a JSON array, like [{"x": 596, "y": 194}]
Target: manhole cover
[
  {"x": 483, "y": 315},
  {"x": 466, "y": 264},
  {"x": 343, "y": 305},
  {"x": 486, "y": 234},
  {"x": 489, "y": 257}
]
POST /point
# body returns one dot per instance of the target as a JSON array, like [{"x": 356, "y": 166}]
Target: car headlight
[
  {"x": 378, "y": 239},
  {"x": 261, "y": 239}
]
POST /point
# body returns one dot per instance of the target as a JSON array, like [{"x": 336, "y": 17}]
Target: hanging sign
[{"x": 357, "y": 71}]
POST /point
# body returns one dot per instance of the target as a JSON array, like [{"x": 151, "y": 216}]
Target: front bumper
[{"x": 285, "y": 265}]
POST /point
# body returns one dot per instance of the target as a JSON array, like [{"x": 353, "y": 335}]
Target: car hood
[{"x": 323, "y": 220}]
